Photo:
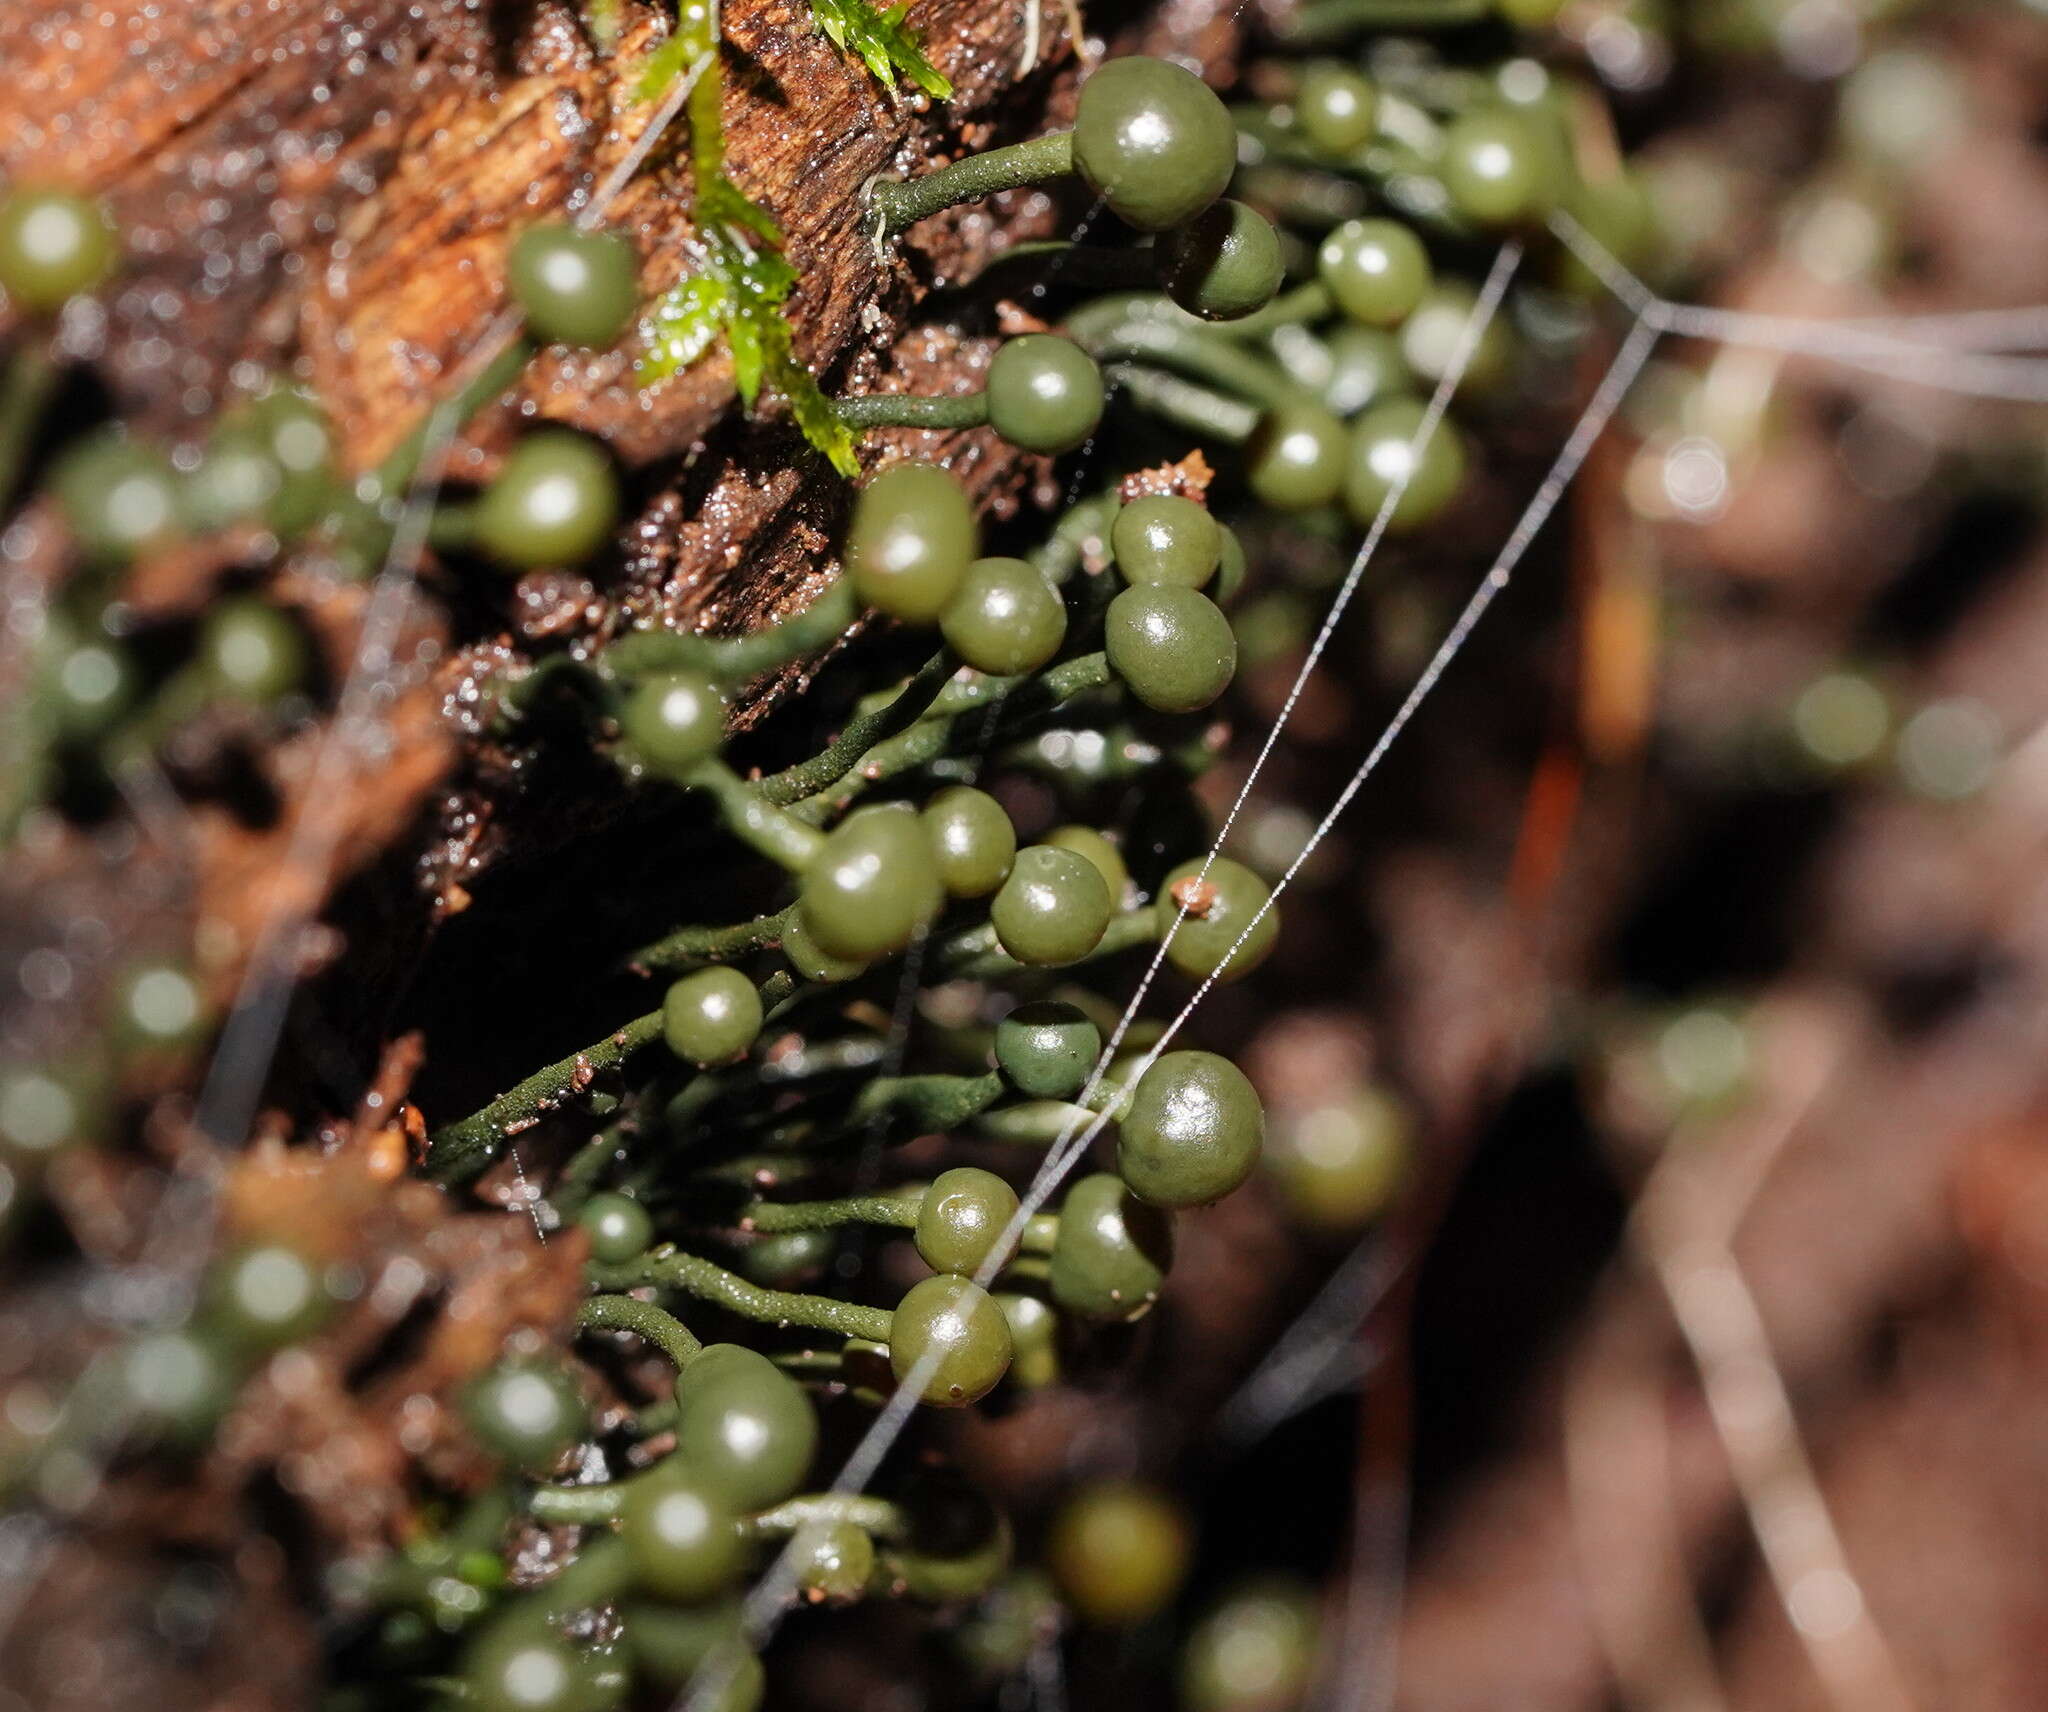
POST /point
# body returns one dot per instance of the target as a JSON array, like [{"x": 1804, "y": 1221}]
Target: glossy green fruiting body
[
  {"x": 1191, "y": 1132},
  {"x": 619, "y": 1227},
  {"x": 1034, "y": 1342},
  {"x": 1118, "y": 1552},
  {"x": 1224, "y": 907},
  {"x": 961, "y": 1217},
  {"x": 1382, "y": 454},
  {"x": 1153, "y": 141},
  {"x": 1340, "y": 1163},
  {"x": 1233, "y": 570},
  {"x": 948, "y": 1333},
  {"x": 575, "y": 287},
  {"x": 119, "y": 497},
  {"x": 812, "y": 961},
  {"x": 1106, "y": 857},
  {"x": 1047, "y": 1048},
  {"x": 712, "y": 1016},
  {"x": 1496, "y": 168},
  {"x": 681, "y": 1535},
  {"x": 1006, "y": 619},
  {"x": 554, "y": 502},
  {"x": 158, "y": 1006},
  {"x": 91, "y": 684},
  {"x": 744, "y": 1428},
  {"x": 1430, "y": 339},
  {"x": 1296, "y": 457},
  {"x": 1377, "y": 270},
  {"x": 44, "y": 1111},
  {"x": 911, "y": 540},
  {"x": 1053, "y": 909},
  {"x": 1223, "y": 264},
  {"x": 1044, "y": 393},
  {"x": 874, "y": 886},
  {"x": 177, "y": 1383},
  {"x": 53, "y": 246},
  {"x": 525, "y": 1413},
  {"x": 1366, "y": 368},
  {"x": 1172, "y": 646},
  {"x": 1113, "y": 1251},
  {"x": 267, "y": 1296},
  {"x": 1163, "y": 538},
  {"x": 519, "y": 1667},
  {"x": 1336, "y": 107},
  {"x": 674, "y": 719},
  {"x": 972, "y": 840},
  {"x": 252, "y": 650},
  {"x": 832, "y": 1561},
  {"x": 1254, "y": 1652}
]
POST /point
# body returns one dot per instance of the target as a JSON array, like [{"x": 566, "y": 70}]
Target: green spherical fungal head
[
  {"x": 1006, "y": 618},
  {"x": 911, "y": 539},
  {"x": 1497, "y": 168},
  {"x": 674, "y": 720},
  {"x": 1340, "y": 1164},
  {"x": 784, "y": 1259},
  {"x": 54, "y": 244},
  {"x": 1053, "y": 909},
  {"x": 1191, "y": 1132},
  {"x": 833, "y": 1561},
  {"x": 157, "y": 1006},
  {"x": 1034, "y": 1342},
  {"x": 574, "y": 287},
  {"x": 1376, "y": 270},
  {"x": 120, "y": 498},
  {"x": 961, "y": 1217},
  {"x": 682, "y": 1537},
  {"x": 711, "y": 1016},
  {"x": 300, "y": 440},
  {"x": 1383, "y": 455},
  {"x": 972, "y": 840},
  {"x": 1046, "y": 1048},
  {"x": 619, "y": 1227},
  {"x": 252, "y": 650},
  {"x": 91, "y": 684},
  {"x": 1254, "y": 1652},
  {"x": 267, "y": 1296},
  {"x": 554, "y": 502},
  {"x": 517, "y": 1666},
  {"x": 237, "y": 480},
  {"x": 1164, "y": 538},
  {"x": 1044, "y": 393},
  {"x": 1223, "y": 908},
  {"x": 177, "y": 1383},
  {"x": 949, "y": 1335},
  {"x": 1153, "y": 141},
  {"x": 44, "y": 1110},
  {"x": 1296, "y": 457},
  {"x": 1119, "y": 1552},
  {"x": 1172, "y": 646},
  {"x": 525, "y": 1413},
  {"x": 1108, "y": 860},
  {"x": 1366, "y": 368},
  {"x": 1113, "y": 1251},
  {"x": 1336, "y": 107},
  {"x": 1222, "y": 264},
  {"x": 873, "y": 887},
  {"x": 812, "y": 961},
  {"x": 744, "y": 1427},
  {"x": 1233, "y": 570},
  {"x": 1430, "y": 339}
]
